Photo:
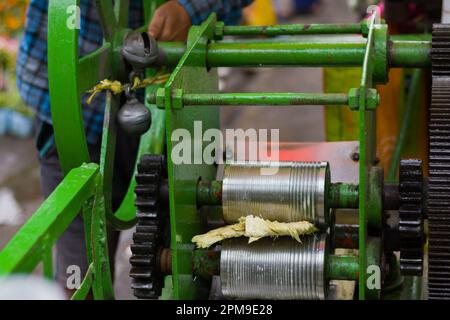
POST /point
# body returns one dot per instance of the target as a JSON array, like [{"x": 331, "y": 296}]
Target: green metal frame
[
  {"x": 30, "y": 245},
  {"x": 191, "y": 75}
]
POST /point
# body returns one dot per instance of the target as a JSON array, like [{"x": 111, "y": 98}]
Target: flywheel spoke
[
  {"x": 65, "y": 100},
  {"x": 107, "y": 18},
  {"x": 121, "y": 9},
  {"x": 94, "y": 68}
]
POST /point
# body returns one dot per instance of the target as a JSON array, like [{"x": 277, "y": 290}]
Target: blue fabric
[
  {"x": 31, "y": 70},
  {"x": 228, "y": 11}
]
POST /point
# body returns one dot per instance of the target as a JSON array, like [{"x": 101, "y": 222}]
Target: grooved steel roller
[
  {"x": 279, "y": 268},
  {"x": 277, "y": 191}
]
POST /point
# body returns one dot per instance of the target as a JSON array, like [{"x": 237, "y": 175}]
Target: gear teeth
[
  {"x": 142, "y": 260},
  {"x": 144, "y": 293},
  {"x": 410, "y": 214},
  {"x": 439, "y": 167},
  {"x": 147, "y": 283}
]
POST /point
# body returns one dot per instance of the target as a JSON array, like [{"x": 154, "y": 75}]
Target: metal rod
[
  {"x": 262, "y": 54},
  {"x": 341, "y": 195},
  {"x": 47, "y": 262},
  {"x": 409, "y": 54},
  {"x": 292, "y": 29},
  {"x": 342, "y": 267},
  {"x": 265, "y": 98},
  {"x": 402, "y": 53}
]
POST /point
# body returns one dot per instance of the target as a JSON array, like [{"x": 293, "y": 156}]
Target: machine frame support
[{"x": 193, "y": 82}]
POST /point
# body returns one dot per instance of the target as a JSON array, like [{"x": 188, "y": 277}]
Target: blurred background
[{"x": 20, "y": 193}]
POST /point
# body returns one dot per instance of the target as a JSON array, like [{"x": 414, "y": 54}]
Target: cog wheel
[
  {"x": 410, "y": 217},
  {"x": 148, "y": 239},
  {"x": 439, "y": 167}
]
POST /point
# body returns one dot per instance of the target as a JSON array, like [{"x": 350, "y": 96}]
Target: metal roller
[
  {"x": 295, "y": 193},
  {"x": 274, "y": 269}
]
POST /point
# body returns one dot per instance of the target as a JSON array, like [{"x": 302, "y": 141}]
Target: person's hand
[{"x": 170, "y": 22}]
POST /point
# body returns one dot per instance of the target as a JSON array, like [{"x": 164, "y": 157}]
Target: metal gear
[
  {"x": 410, "y": 225},
  {"x": 439, "y": 166},
  {"x": 148, "y": 238}
]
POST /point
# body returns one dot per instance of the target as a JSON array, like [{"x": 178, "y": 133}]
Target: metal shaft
[
  {"x": 292, "y": 29},
  {"x": 401, "y": 53},
  {"x": 342, "y": 267},
  {"x": 263, "y": 98},
  {"x": 340, "y": 195},
  {"x": 206, "y": 263}
]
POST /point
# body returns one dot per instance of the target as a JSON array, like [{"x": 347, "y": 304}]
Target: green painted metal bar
[
  {"x": 343, "y": 267},
  {"x": 65, "y": 100},
  {"x": 108, "y": 19},
  {"x": 47, "y": 224},
  {"x": 367, "y": 153},
  {"x": 260, "y": 98},
  {"x": 402, "y": 53},
  {"x": 410, "y": 104},
  {"x": 93, "y": 67},
  {"x": 291, "y": 29},
  {"x": 47, "y": 262},
  {"x": 102, "y": 287},
  {"x": 227, "y": 54},
  {"x": 343, "y": 195},
  {"x": 409, "y": 54},
  {"x": 125, "y": 218},
  {"x": 121, "y": 9},
  {"x": 265, "y": 98},
  {"x": 192, "y": 75},
  {"x": 87, "y": 223}
]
